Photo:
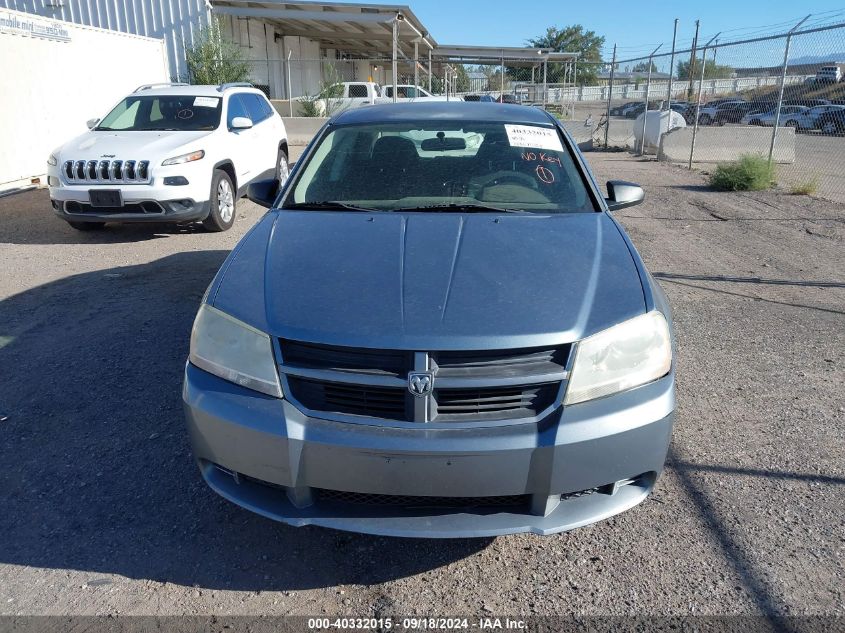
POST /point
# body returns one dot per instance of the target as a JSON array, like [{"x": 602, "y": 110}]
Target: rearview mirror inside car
[
  {"x": 92, "y": 123},
  {"x": 241, "y": 123},
  {"x": 622, "y": 194},
  {"x": 263, "y": 192},
  {"x": 443, "y": 144}
]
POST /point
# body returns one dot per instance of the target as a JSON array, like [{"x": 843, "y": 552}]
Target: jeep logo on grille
[{"x": 420, "y": 383}]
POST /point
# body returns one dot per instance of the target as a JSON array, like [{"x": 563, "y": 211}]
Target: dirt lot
[{"x": 103, "y": 510}]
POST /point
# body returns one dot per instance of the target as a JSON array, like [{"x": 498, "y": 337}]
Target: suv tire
[
  {"x": 88, "y": 226},
  {"x": 221, "y": 216},
  {"x": 282, "y": 168}
]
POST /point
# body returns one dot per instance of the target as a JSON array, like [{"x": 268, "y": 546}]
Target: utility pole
[
  {"x": 691, "y": 69},
  {"x": 672, "y": 70}
]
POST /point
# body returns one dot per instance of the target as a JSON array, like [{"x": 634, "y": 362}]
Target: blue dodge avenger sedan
[{"x": 438, "y": 330}]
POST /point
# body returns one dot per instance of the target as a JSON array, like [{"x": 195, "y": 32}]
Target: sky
[{"x": 636, "y": 26}]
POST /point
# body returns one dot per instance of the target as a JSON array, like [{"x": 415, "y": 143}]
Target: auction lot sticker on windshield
[
  {"x": 206, "y": 102},
  {"x": 533, "y": 136}
]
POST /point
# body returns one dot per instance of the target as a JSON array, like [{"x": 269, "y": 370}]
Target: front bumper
[
  {"x": 143, "y": 202},
  {"x": 265, "y": 455}
]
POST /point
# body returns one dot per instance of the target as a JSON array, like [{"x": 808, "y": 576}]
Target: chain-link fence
[{"x": 780, "y": 96}]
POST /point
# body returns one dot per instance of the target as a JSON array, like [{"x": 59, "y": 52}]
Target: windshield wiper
[
  {"x": 328, "y": 205},
  {"x": 461, "y": 207}
]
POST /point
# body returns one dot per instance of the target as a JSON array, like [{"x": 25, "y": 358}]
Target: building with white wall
[{"x": 283, "y": 40}]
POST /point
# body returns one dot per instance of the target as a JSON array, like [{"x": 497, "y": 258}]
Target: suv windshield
[
  {"x": 163, "y": 112},
  {"x": 440, "y": 166}
]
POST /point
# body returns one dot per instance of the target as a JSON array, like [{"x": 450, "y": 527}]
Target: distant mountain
[{"x": 818, "y": 59}]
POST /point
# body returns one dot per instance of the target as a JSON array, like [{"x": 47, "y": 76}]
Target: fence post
[
  {"x": 394, "y": 56},
  {"x": 672, "y": 70},
  {"x": 545, "y": 85},
  {"x": 610, "y": 96},
  {"x": 290, "y": 93},
  {"x": 691, "y": 68},
  {"x": 698, "y": 104},
  {"x": 782, "y": 82},
  {"x": 647, "y": 91},
  {"x": 416, "y": 64}
]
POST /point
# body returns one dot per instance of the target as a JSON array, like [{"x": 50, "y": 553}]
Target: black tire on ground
[
  {"x": 704, "y": 119},
  {"x": 754, "y": 121},
  {"x": 830, "y": 128},
  {"x": 720, "y": 122},
  {"x": 282, "y": 168},
  {"x": 88, "y": 226},
  {"x": 792, "y": 124},
  {"x": 222, "y": 198}
]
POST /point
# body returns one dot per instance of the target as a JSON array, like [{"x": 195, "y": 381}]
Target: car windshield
[
  {"x": 441, "y": 166},
  {"x": 142, "y": 113}
]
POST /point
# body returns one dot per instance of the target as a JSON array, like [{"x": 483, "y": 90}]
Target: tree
[
  {"x": 711, "y": 70},
  {"x": 573, "y": 39},
  {"x": 642, "y": 67},
  {"x": 215, "y": 59}
]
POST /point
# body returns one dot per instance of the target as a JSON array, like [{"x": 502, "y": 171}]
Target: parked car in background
[
  {"x": 832, "y": 122},
  {"x": 482, "y": 98},
  {"x": 768, "y": 118},
  {"x": 169, "y": 153},
  {"x": 710, "y": 111},
  {"x": 634, "y": 110},
  {"x": 732, "y": 112},
  {"x": 829, "y": 74},
  {"x": 808, "y": 119},
  {"x": 330, "y": 383},
  {"x": 620, "y": 109},
  {"x": 508, "y": 98},
  {"x": 805, "y": 102}
]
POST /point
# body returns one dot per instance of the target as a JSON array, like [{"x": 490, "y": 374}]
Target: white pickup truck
[{"x": 358, "y": 93}]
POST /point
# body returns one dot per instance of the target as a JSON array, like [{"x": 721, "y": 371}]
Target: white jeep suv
[{"x": 169, "y": 152}]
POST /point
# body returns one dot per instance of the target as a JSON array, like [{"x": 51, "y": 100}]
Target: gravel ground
[{"x": 104, "y": 512}]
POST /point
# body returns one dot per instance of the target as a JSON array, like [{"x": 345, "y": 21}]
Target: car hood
[
  {"x": 131, "y": 145},
  {"x": 431, "y": 281}
]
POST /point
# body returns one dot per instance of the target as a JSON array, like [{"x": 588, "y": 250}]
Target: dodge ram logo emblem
[{"x": 420, "y": 383}]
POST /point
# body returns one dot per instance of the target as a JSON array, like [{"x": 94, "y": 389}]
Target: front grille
[
  {"x": 368, "y": 400},
  {"x": 130, "y": 172},
  {"x": 360, "y": 360},
  {"x": 469, "y": 386},
  {"x": 411, "y": 502},
  {"x": 490, "y": 403}
]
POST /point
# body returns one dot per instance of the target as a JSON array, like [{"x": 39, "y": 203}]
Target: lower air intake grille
[{"x": 406, "y": 501}]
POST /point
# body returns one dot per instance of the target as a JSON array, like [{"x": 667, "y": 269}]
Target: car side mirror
[
  {"x": 92, "y": 123},
  {"x": 241, "y": 123},
  {"x": 263, "y": 192},
  {"x": 622, "y": 194}
]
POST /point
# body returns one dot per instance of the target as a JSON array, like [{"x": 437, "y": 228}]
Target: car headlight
[
  {"x": 621, "y": 357},
  {"x": 52, "y": 160},
  {"x": 185, "y": 158},
  {"x": 234, "y": 351}
]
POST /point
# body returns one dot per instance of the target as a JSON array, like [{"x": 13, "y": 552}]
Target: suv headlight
[
  {"x": 52, "y": 160},
  {"x": 234, "y": 351},
  {"x": 185, "y": 158},
  {"x": 621, "y": 357}
]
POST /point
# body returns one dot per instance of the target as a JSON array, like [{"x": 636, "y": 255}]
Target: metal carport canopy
[
  {"x": 514, "y": 56},
  {"x": 355, "y": 28}
]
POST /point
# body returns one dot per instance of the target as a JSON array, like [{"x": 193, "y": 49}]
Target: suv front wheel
[{"x": 221, "y": 217}]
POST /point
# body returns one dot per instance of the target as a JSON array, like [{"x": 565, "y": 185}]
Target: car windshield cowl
[
  {"x": 328, "y": 205},
  {"x": 460, "y": 207}
]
